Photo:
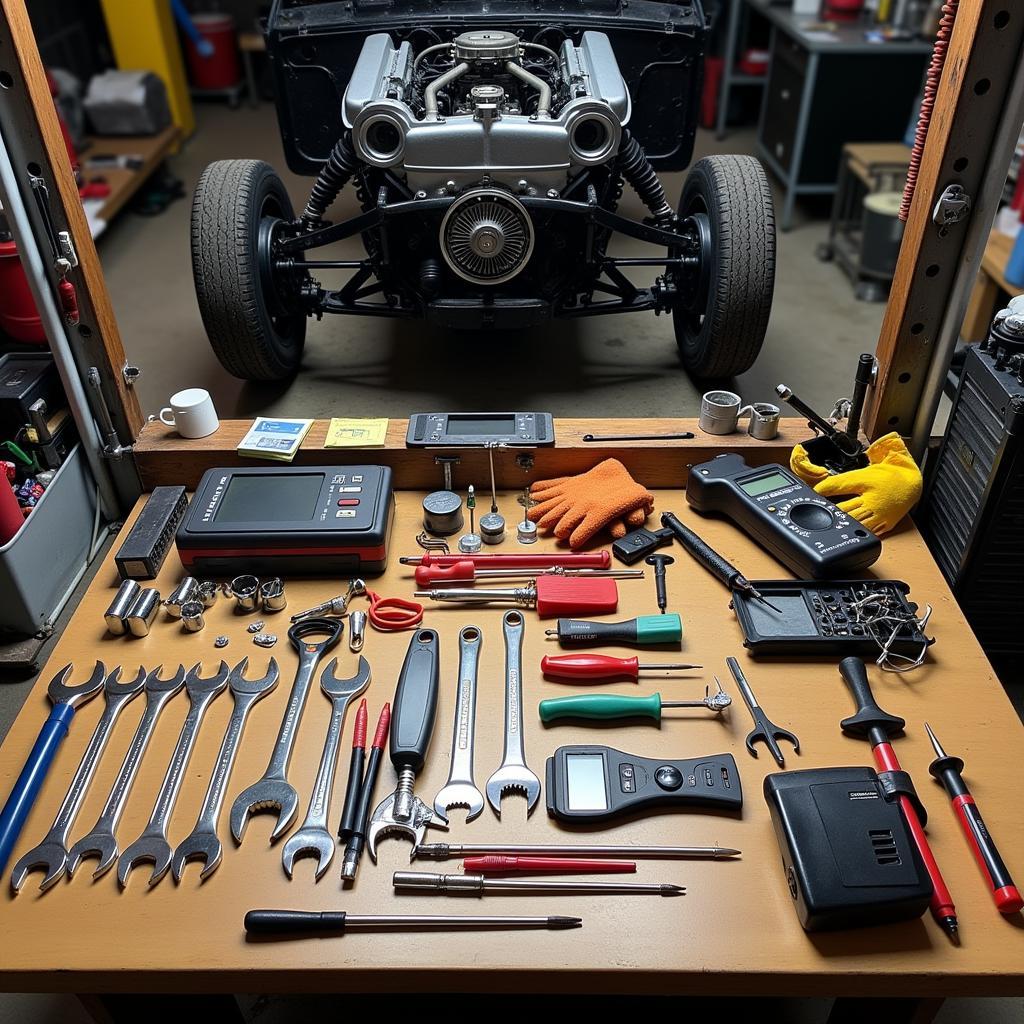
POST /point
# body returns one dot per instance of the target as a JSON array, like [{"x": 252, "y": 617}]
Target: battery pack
[{"x": 848, "y": 857}]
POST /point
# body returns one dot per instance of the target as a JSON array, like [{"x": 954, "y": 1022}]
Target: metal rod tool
[
  {"x": 450, "y": 851},
  {"x": 336, "y": 922},
  {"x": 454, "y": 884}
]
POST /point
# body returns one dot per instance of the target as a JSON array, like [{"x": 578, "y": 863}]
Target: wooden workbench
[{"x": 734, "y": 932}]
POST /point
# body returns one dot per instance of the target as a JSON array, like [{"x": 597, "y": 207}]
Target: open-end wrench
[
  {"x": 273, "y": 792},
  {"x": 65, "y": 700},
  {"x": 460, "y": 790},
  {"x": 52, "y": 853},
  {"x": 512, "y": 775},
  {"x": 203, "y": 843},
  {"x": 152, "y": 845},
  {"x": 100, "y": 840},
  {"x": 412, "y": 723},
  {"x": 764, "y": 729},
  {"x": 312, "y": 836}
]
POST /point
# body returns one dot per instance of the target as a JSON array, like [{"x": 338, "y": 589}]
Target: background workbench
[{"x": 735, "y": 931}]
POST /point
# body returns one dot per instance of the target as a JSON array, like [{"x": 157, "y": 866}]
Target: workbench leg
[
  {"x": 800, "y": 139},
  {"x": 725, "y": 86},
  {"x": 980, "y": 307},
  {"x": 884, "y": 1011},
  {"x": 154, "y": 1009}
]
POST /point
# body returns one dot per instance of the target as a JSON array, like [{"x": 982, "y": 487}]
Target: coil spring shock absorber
[
  {"x": 637, "y": 170},
  {"x": 334, "y": 174}
]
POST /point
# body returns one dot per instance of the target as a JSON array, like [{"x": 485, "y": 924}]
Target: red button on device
[{"x": 347, "y": 502}]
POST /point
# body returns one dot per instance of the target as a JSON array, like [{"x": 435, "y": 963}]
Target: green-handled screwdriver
[
  {"x": 643, "y": 630},
  {"x": 604, "y": 706}
]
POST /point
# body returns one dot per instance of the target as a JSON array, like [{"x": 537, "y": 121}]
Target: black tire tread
[
  {"x": 742, "y": 215},
  {"x": 226, "y": 274}
]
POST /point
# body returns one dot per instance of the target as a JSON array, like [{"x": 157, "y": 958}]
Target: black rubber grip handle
[
  {"x": 294, "y": 922},
  {"x": 412, "y": 714},
  {"x": 869, "y": 715},
  {"x": 355, "y": 779},
  {"x": 586, "y": 631},
  {"x": 707, "y": 556}
]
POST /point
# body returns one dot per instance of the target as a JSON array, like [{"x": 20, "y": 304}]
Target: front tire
[
  {"x": 721, "y": 333},
  {"x": 237, "y": 205}
]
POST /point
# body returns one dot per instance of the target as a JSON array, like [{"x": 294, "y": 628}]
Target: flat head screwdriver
[
  {"x": 610, "y": 706},
  {"x": 595, "y": 668},
  {"x": 337, "y": 922},
  {"x": 423, "y": 881},
  {"x": 450, "y": 851}
]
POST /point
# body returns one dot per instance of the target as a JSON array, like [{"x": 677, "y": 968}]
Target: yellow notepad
[{"x": 344, "y": 433}]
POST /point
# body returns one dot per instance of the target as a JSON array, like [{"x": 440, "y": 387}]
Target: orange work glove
[{"x": 577, "y": 508}]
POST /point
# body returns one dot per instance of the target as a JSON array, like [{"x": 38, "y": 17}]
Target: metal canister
[
  {"x": 208, "y": 591},
  {"x": 719, "y": 411},
  {"x": 246, "y": 590},
  {"x": 272, "y": 595},
  {"x": 116, "y": 615},
  {"x": 185, "y": 591},
  {"x": 192, "y": 620},
  {"x": 764, "y": 420},
  {"x": 143, "y": 612}
]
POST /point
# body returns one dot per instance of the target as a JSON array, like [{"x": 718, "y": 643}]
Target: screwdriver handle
[
  {"x": 294, "y": 922},
  {"x": 600, "y": 706},
  {"x": 725, "y": 571},
  {"x": 461, "y": 572},
  {"x": 644, "y": 629},
  {"x": 589, "y": 667},
  {"x": 870, "y": 720},
  {"x": 575, "y": 595},
  {"x": 539, "y": 560},
  {"x": 415, "y": 704}
]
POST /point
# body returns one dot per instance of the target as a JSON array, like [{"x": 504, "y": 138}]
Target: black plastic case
[{"x": 847, "y": 855}]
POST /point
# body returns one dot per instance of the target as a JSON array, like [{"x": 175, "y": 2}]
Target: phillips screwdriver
[
  {"x": 494, "y": 864},
  {"x": 448, "y": 851},
  {"x": 426, "y": 881},
  {"x": 349, "y": 817},
  {"x": 336, "y": 922},
  {"x": 606, "y": 706},
  {"x": 598, "y": 667},
  {"x": 947, "y": 770},
  {"x": 467, "y": 572},
  {"x": 550, "y": 595},
  {"x": 356, "y": 840},
  {"x": 535, "y": 560},
  {"x": 643, "y": 630},
  {"x": 712, "y": 560}
]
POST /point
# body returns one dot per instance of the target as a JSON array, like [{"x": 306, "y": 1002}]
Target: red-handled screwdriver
[
  {"x": 355, "y": 775},
  {"x": 496, "y": 865},
  {"x": 946, "y": 770},
  {"x": 594, "y": 668}
]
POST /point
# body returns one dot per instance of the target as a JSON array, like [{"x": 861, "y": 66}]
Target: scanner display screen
[
  {"x": 585, "y": 775},
  {"x": 481, "y": 425},
  {"x": 291, "y": 498}
]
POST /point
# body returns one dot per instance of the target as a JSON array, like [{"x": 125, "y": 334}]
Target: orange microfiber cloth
[{"x": 577, "y": 508}]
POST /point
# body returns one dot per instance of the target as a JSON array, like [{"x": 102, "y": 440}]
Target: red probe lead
[
  {"x": 497, "y": 865},
  {"x": 537, "y": 560}
]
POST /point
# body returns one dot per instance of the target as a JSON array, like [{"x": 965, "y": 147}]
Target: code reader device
[
  {"x": 589, "y": 784},
  {"x": 848, "y": 857},
  {"x": 298, "y": 520},
  {"x": 802, "y": 529},
  {"x": 478, "y": 429}
]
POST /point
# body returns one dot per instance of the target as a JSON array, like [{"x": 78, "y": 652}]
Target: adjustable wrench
[
  {"x": 52, "y": 853},
  {"x": 412, "y": 722},
  {"x": 65, "y": 700},
  {"x": 460, "y": 790},
  {"x": 273, "y": 792},
  {"x": 512, "y": 774},
  {"x": 100, "y": 840},
  {"x": 152, "y": 845},
  {"x": 202, "y": 843},
  {"x": 312, "y": 836}
]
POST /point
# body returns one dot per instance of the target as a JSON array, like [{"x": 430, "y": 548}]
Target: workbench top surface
[{"x": 734, "y": 932}]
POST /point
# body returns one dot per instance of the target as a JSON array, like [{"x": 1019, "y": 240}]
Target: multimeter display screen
[
  {"x": 585, "y": 775},
  {"x": 485, "y": 425},
  {"x": 252, "y": 498},
  {"x": 764, "y": 484}
]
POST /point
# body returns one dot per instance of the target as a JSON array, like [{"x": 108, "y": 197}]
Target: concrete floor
[{"x": 620, "y": 365}]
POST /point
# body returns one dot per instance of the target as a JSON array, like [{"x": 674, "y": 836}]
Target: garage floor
[{"x": 619, "y": 365}]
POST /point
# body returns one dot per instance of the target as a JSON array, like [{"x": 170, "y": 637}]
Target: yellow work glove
[
  {"x": 576, "y": 508},
  {"x": 880, "y": 494}
]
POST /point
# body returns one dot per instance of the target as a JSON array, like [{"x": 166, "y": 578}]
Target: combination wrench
[
  {"x": 460, "y": 790},
  {"x": 312, "y": 836},
  {"x": 152, "y": 845},
  {"x": 512, "y": 775},
  {"x": 203, "y": 843},
  {"x": 273, "y": 792},
  {"x": 100, "y": 840},
  {"x": 52, "y": 853}
]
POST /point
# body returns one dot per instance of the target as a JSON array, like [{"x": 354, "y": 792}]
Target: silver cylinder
[
  {"x": 272, "y": 595},
  {"x": 492, "y": 528},
  {"x": 246, "y": 590},
  {"x": 356, "y": 631},
  {"x": 143, "y": 612},
  {"x": 719, "y": 411},
  {"x": 116, "y": 614},
  {"x": 186, "y": 590},
  {"x": 208, "y": 591},
  {"x": 192, "y": 620}
]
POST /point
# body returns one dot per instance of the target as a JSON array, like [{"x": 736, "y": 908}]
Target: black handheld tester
[
  {"x": 591, "y": 783},
  {"x": 802, "y": 529}
]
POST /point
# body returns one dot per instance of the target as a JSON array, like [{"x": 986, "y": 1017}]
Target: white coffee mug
[{"x": 191, "y": 413}]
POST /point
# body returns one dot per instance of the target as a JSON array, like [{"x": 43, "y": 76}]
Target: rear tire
[
  {"x": 252, "y": 332},
  {"x": 724, "y": 337}
]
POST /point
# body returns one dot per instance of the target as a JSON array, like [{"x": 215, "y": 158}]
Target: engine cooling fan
[{"x": 486, "y": 236}]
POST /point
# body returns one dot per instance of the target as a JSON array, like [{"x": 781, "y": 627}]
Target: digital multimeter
[
  {"x": 311, "y": 520},
  {"x": 589, "y": 784},
  {"x": 803, "y": 530}
]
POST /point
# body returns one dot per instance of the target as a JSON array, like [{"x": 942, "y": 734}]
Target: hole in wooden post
[
  {"x": 982, "y": 86},
  {"x": 931, "y": 270},
  {"x": 960, "y": 164},
  {"x": 893, "y": 420},
  {"x": 5, "y": 80},
  {"x": 33, "y": 168},
  {"x": 903, "y": 378},
  {"x": 916, "y": 328},
  {"x": 1002, "y": 19}
]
